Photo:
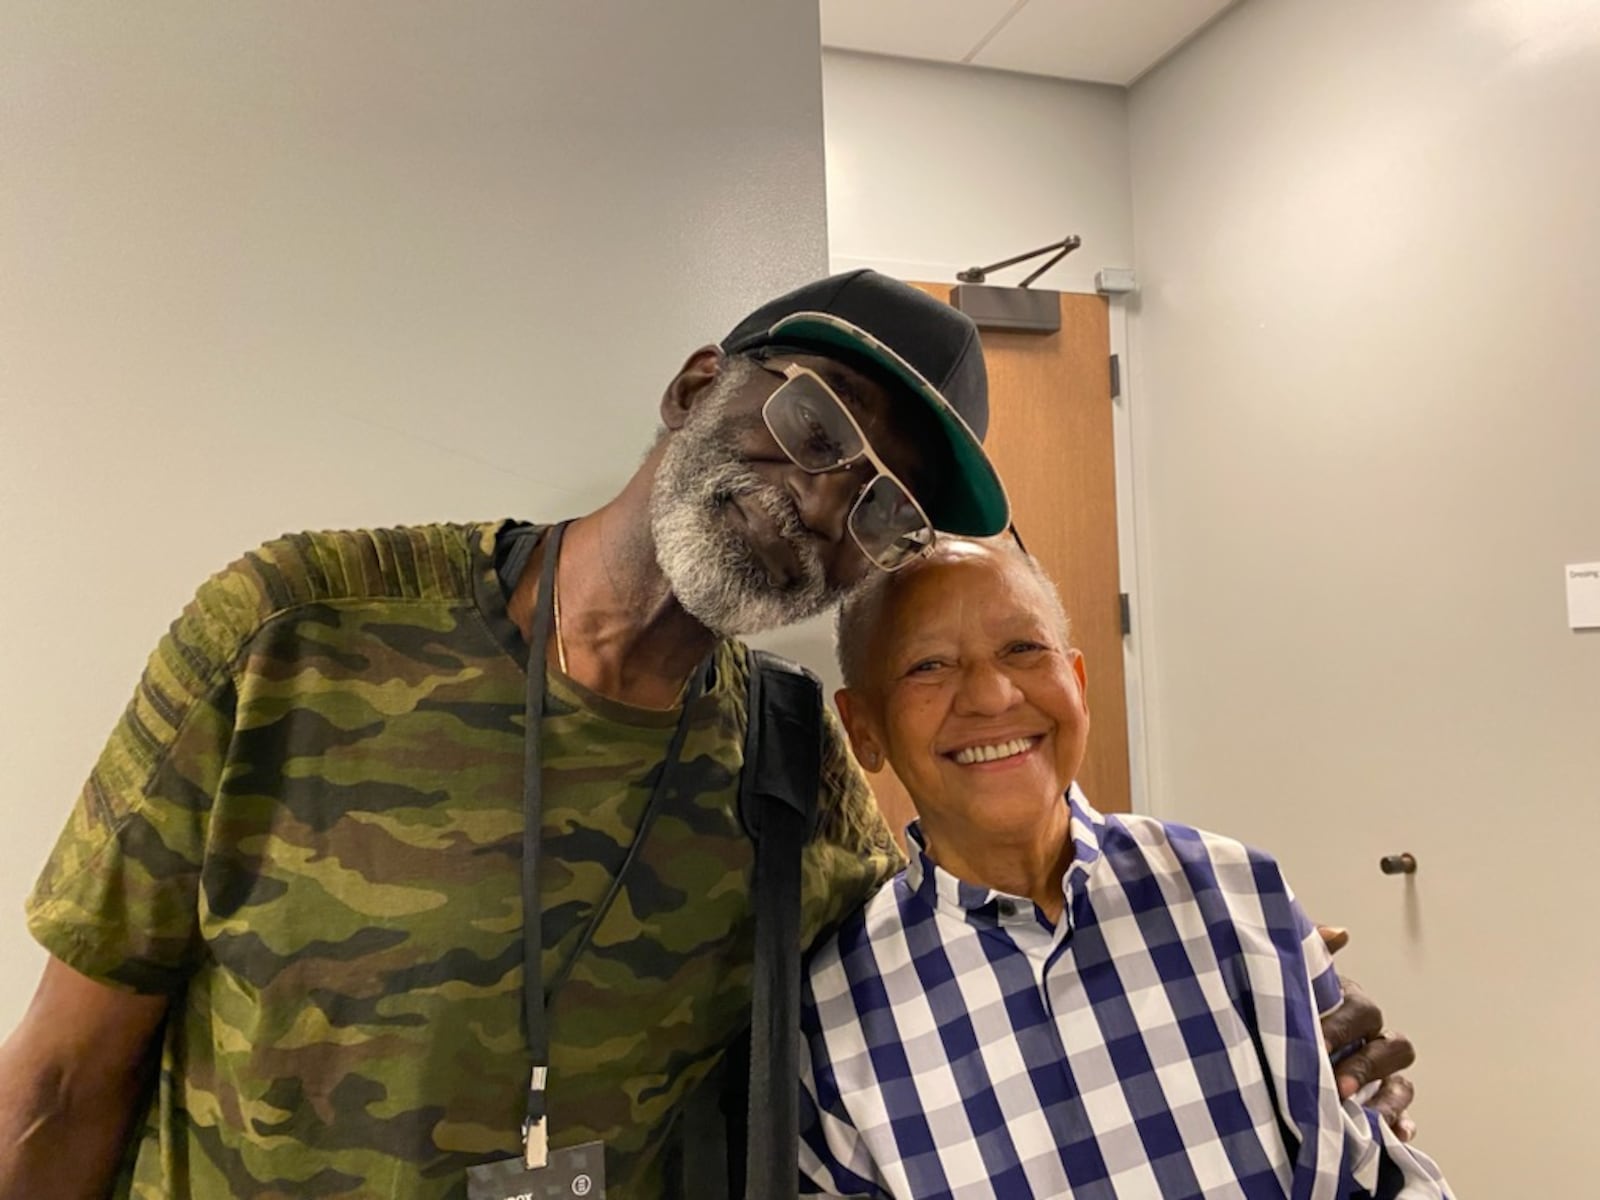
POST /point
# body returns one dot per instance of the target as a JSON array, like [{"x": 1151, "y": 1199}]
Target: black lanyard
[{"x": 536, "y": 996}]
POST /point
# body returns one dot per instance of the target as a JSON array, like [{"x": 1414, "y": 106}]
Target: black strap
[
  {"x": 777, "y": 802},
  {"x": 534, "y": 1019},
  {"x": 782, "y": 742},
  {"x": 536, "y": 993}
]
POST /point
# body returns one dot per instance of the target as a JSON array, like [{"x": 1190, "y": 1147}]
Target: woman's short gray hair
[{"x": 858, "y": 615}]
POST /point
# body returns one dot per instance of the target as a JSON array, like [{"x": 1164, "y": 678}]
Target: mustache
[
  {"x": 735, "y": 480},
  {"x": 776, "y": 503}
]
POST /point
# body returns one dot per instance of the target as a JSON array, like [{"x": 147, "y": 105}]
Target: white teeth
[{"x": 978, "y": 754}]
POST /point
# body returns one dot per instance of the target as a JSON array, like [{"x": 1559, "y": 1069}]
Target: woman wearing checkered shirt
[{"x": 1050, "y": 1001}]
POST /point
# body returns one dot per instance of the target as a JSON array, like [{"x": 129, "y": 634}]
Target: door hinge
[
  {"x": 1116, "y": 376},
  {"x": 1125, "y": 606}
]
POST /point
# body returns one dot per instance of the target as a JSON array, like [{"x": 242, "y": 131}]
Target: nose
[
  {"x": 986, "y": 690},
  {"x": 824, "y": 500}
]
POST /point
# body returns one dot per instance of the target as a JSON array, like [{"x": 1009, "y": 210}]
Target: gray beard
[{"x": 714, "y": 573}]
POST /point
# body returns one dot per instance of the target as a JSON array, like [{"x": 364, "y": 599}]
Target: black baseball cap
[{"x": 923, "y": 348}]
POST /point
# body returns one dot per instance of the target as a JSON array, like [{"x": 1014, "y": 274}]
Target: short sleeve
[
  {"x": 1342, "y": 1145},
  {"x": 1325, "y": 989},
  {"x": 853, "y": 853},
  {"x": 117, "y": 899}
]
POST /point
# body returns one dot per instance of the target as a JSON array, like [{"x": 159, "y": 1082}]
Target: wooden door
[{"x": 1050, "y": 437}]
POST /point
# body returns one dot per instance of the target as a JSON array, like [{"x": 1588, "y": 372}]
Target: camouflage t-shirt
[{"x": 307, "y": 828}]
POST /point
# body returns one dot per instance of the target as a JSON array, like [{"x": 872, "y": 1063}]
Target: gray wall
[
  {"x": 1363, "y": 408},
  {"x": 1369, "y": 389},
  {"x": 934, "y": 167},
  {"x": 270, "y": 267}
]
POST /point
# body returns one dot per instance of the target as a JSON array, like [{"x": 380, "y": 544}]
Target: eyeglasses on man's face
[{"x": 818, "y": 433}]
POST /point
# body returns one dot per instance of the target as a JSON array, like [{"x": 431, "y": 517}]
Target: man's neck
[
  {"x": 1028, "y": 862},
  {"x": 623, "y": 632}
]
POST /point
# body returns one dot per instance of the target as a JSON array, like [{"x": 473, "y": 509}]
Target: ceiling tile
[
  {"x": 1105, "y": 41},
  {"x": 943, "y": 30}
]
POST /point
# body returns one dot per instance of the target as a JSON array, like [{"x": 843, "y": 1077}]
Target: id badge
[{"x": 577, "y": 1171}]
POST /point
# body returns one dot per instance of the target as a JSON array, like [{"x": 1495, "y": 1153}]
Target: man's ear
[
  {"x": 1082, "y": 673},
  {"x": 864, "y": 742},
  {"x": 699, "y": 370}
]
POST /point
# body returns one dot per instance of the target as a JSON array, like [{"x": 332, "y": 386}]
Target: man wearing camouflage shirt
[{"x": 292, "y": 880}]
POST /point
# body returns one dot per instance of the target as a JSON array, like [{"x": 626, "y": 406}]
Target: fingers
[
  {"x": 1334, "y": 937},
  {"x": 1382, "y": 1058},
  {"x": 1358, "y": 1019},
  {"x": 1391, "y": 1102}
]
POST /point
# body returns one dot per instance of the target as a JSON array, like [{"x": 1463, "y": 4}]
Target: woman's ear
[
  {"x": 699, "y": 371},
  {"x": 853, "y": 709}
]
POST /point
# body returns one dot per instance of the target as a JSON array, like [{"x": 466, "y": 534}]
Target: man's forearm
[
  {"x": 58, "y": 1140},
  {"x": 71, "y": 1076}
]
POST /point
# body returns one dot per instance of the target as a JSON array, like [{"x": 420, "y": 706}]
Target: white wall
[
  {"x": 1368, "y": 430},
  {"x": 271, "y": 267},
  {"x": 934, "y": 168}
]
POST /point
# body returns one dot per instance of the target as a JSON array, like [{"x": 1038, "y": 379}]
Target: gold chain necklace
[{"x": 555, "y": 611}]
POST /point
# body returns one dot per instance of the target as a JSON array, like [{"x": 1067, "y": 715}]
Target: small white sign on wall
[{"x": 1583, "y": 595}]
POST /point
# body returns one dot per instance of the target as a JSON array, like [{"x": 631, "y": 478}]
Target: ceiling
[{"x": 1100, "y": 41}]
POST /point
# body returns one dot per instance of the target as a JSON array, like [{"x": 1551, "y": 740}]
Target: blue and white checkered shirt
[{"x": 1162, "y": 1040}]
